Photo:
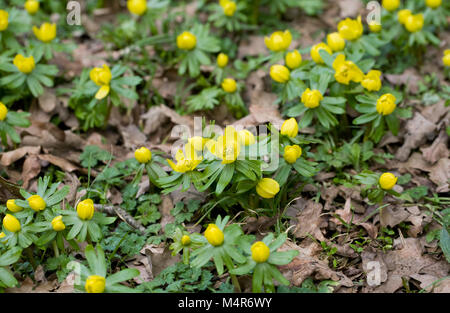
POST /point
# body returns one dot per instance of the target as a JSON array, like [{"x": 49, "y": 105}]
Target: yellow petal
[{"x": 102, "y": 92}]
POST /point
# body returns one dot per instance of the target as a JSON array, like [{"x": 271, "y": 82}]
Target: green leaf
[
  {"x": 444, "y": 243},
  {"x": 123, "y": 275}
]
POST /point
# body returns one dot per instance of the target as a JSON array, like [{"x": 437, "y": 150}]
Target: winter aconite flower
[
  {"x": 57, "y": 224},
  {"x": 229, "y": 85},
  {"x": 260, "y": 252},
  {"x": 3, "y": 111},
  {"x": 46, "y": 33},
  {"x": 23, "y": 64},
  {"x": 229, "y": 7},
  {"x": 446, "y": 57},
  {"x": 402, "y": 15},
  {"x": 267, "y": 188},
  {"x": 214, "y": 235},
  {"x": 227, "y": 147},
  {"x": 279, "y": 41},
  {"x": 143, "y": 155},
  {"x": 293, "y": 59},
  {"x": 290, "y": 128},
  {"x": 95, "y": 284},
  {"x": 386, "y": 104},
  {"x": 222, "y": 60},
  {"x": 351, "y": 29},
  {"x": 101, "y": 76},
  {"x": 391, "y": 5},
  {"x": 311, "y": 98},
  {"x": 246, "y": 138},
  {"x": 4, "y": 16},
  {"x": 11, "y": 223},
  {"x": 137, "y": 7},
  {"x": 280, "y": 73},
  {"x": 32, "y": 6},
  {"x": 315, "y": 52},
  {"x": 292, "y": 153},
  {"x": 186, "y": 41},
  {"x": 85, "y": 209},
  {"x": 414, "y": 23},
  {"x": 36, "y": 203},
  {"x": 387, "y": 181},
  {"x": 433, "y": 3},
  {"x": 196, "y": 143},
  {"x": 12, "y": 206},
  {"x": 185, "y": 240},
  {"x": 335, "y": 42},
  {"x": 346, "y": 71},
  {"x": 372, "y": 81},
  {"x": 185, "y": 163},
  {"x": 375, "y": 27}
]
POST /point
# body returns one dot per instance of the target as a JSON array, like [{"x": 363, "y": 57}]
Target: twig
[{"x": 127, "y": 218}]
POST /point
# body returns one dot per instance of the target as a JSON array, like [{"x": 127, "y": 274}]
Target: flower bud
[
  {"x": 260, "y": 252},
  {"x": 222, "y": 60},
  {"x": 279, "y": 41},
  {"x": 229, "y": 7},
  {"x": 391, "y": 5},
  {"x": 36, "y": 203},
  {"x": 85, "y": 209},
  {"x": 3, "y": 111},
  {"x": 293, "y": 59},
  {"x": 246, "y": 137},
  {"x": 58, "y": 224},
  {"x": 387, "y": 181},
  {"x": 280, "y": 73},
  {"x": 46, "y": 33},
  {"x": 414, "y": 23},
  {"x": 290, "y": 128},
  {"x": 214, "y": 235},
  {"x": 12, "y": 206},
  {"x": 315, "y": 52},
  {"x": 32, "y": 6},
  {"x": 185, "y": 240},
  {"x": 2, "y": 235},
  {"x": 23, "y": 64},
  {"x": 4, "y": 20},
  {"x": 351, "y": 29},
  {"x": 186, "y": 41},
  {"x": 375, "y": 27},
  {"x": 335, "y": 42},
  {"x": 311, "y": 98},
  {"x": 143, "y": 155},
  {"x": 137, "y": 7},
  {"x": 433, "y": 3},
  {"x": 402, "y": 15},
  {"x": 95, "y": 284},
  {"x": 267, "y": 188},
  {"x": 11, "y": 223},
  {"x": 386, "y": 104},
  {"x": 372, "y": 81},
  {"x": 446, "y": 57},
  {"x": 292, "y": 153},
  {"x": 229, "y": 85}
]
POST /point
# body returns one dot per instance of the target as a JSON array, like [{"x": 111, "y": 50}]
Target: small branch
[{"x": 127, "y": 218}]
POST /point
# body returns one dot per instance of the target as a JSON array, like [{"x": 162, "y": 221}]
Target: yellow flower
[
  {"x": 4, "y": 16},
  {"x": 229, "y": 85},
  {"x": 351, "y": 29},
  {"x": 391, "y": 5},
  {"x": 214, "y": 235},
  {"x": 372, "y": 81},
  {"x": 414, "y": 23},
  {"x": 280, "y": 73},
  {"x": 433, "y": 3},
  {"x": 185, "y": 240},
  {"x": 346, "y": 71},
  {"x": 197, "y": 143},
  {"x": 143, "y": 155},
  {"x": 402, "y": 15},
  {"x": 279, "y": 41},
  {"x": 137, "y": 7},
  {"x": 292, "y": 153},
  {"x": 229, "y": 7},
  {"x": 387, "y": 181},
  {"x": 293, "y": 59},
  {"x": 95, "y": 284},
  {"x": 85, "y": 209},
  {"x": 315, "y": 52},
  {"x": 12, "y": 206},
  {"x": 246, "y": 138},
  {"x": 311, "y": 98},
  {"x": 36, "y": 203},
  {"x": 446, "y": 57},
  {"x": 11, "y": 223},
  {"x": 186, "y": 41},
  {"x": 267, "y": 188},
  {"x": 386, "y": 104},
  {"x": 101, "y": 76},
  {"x": 46, "y": 33},
  {"x": 2, "y": 235},
  {"x": 185, "y": 163},
  {"x": 290, "y": 128},
  {"x": 58, "y": 224},
  {"x": 260, "y": 252},
  {"x": 3, "y": 111},
  {"x": 228, "y": 146},
  {"x": 222, "y": 60},
  {"x": 335, "y": 42},
  {"x": 375, "y": 27},
  {"x": 25, "y": 65},
  {"x": 32, "y": 6}
]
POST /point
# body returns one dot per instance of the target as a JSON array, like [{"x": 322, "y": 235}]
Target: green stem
[
  {"x": 234, "y": 279},
  {"x": 55, "y": 248},
  {"x": 30, "y": 257}
]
